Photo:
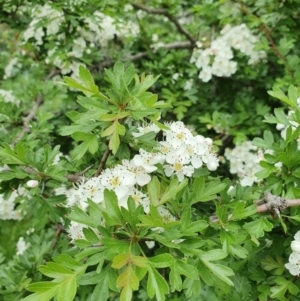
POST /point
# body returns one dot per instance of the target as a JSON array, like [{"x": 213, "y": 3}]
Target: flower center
[
  {"x": 177, "y": 166},
  {"x": 180, "y": 136},
  {"x": 115, "y": 181}
]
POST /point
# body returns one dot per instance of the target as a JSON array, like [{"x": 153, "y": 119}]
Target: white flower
[
  {"x": 178, "y": 160},
  {"x": 140, "y": 199},
  {"x": 84, "y": 190},
  {"x": 141, "y": 177},
  {"x": 21, "y": 246},
  {"x": 211, "y": 161},
  {"x": 150, "y": 244},
  {"x": 244, "y": 161},
  {"x": 148, "y": 160},
  {"x": 295, "y": 245},
  {"x": 188, "y": 84},
  {"x": 175, "y": 76},
  {"x": 206, "y": 74},
  {"x": 119, "y": 180},
  {"x": 178, "y": 134},
  {"x": 294, "y": 264},
  {"x": 75, "y": 231},
  {"x": 151, "y": 127}
]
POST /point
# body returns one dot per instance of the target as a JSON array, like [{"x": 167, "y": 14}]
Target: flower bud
[
  {"x": 32, "y": 183},
  {"x": 295, "y": 246}
]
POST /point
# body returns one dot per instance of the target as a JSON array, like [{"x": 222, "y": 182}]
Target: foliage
[{"x": 127, "y": 167}]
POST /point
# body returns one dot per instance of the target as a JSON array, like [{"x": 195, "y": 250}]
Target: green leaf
[
  {"x": 86, "y": 76},
  {"x": 201, "y": 194},
  {"x": 46, "y": 295},
  {"x": 120, "y": 260},
  {"x": 241, "y": 212},
  {"x": 67, "y": 289},
  {"x": 186, "y": 269},
  {"x": 68, "y": 262},
  {"x": 277, "y": 93},
  {"x": 54, "y": 270},
  {"x": 156, "y": 285},
  {"x": 238, "y": 251},
  {"x": 90, "y": 236},
  {"x": 40, "y": 287},
  {"x": 79, "y": 216},
  {"x": 173, "y": 188},
  {"x": 220, "y": 271},
  {"x": 175, "y": 279},
  {"x": 112, "y": 213},
  {"x": 81, "y": 149},
  {"x": 114, "y": 143},
  {"x": 101, "y": 291},
  {"x": 192, "y": 287},
  {"x": 213, "y": 255},
  {"x": 257, "y": 227},
  {"x": 293, "y": 94},
  {"x": 195, "y": 227},
  {"x": 161, "y": 261},
  {"x": 280, "y": 289},
  {"x": 281, "y": 117},
  {"x": 128, "y": 281},
  {"x": 153, "y": 188},
  {"x": 10, "y": 157},
  {"x": 270, "y": 264}
]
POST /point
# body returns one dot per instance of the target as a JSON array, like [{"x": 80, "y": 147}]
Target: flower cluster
[
  {"x": 294, "y": 260},
  {"x": 179, "y": 154},
  {"x": 244, "y": 161},
  {"x": 217, "y": 58},
  {"x": 48, "y": 23}
]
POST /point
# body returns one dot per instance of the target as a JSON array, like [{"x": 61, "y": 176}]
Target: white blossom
[
  {"x": 217, "y": 59},
  {"x": 22, "y": 246},
  {"x": 151, "y": 127},
  {"x": 32, "y": 183},
  {"x": 148, "y": 160}
]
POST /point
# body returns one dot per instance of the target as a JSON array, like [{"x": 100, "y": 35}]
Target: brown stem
[
  {"x": 174, "y": 45},
  {"x": 27, "y": 120},
  {"x": 266, "y": 31},
  {"x": 31, "y": 115},
  {"x": 274, "y": 204},
  {"x": 78, "y": 176},
  {"x": 288, "y": 203},
  {"x": 59, "y": 229},
  {"x": 164, "y": 12},
  {"x": 103, "y": 161}
]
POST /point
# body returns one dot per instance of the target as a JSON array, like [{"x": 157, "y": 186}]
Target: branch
[
  {"x": 70, "y": 177},
  {"x": 78, "y": 176},
  {"x": 286, "y": 204},
  {"x": 266, "y": 31},
  {"x": 164, "y": 12},
  {"x": 103, "y": 161},
  {"x": 59, "y": 229},
  {"x": 27, "y": 120},
  {"x": 174, "y": 45},
  {"x": 269, "y": 203},
  {"x": 31, "y": 115}
]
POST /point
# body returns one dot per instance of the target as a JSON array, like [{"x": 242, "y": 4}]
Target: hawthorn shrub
[{"x": 149, "y": 150}]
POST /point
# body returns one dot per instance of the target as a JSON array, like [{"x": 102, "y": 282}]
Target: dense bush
[{"x": 149, "y": 149}]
